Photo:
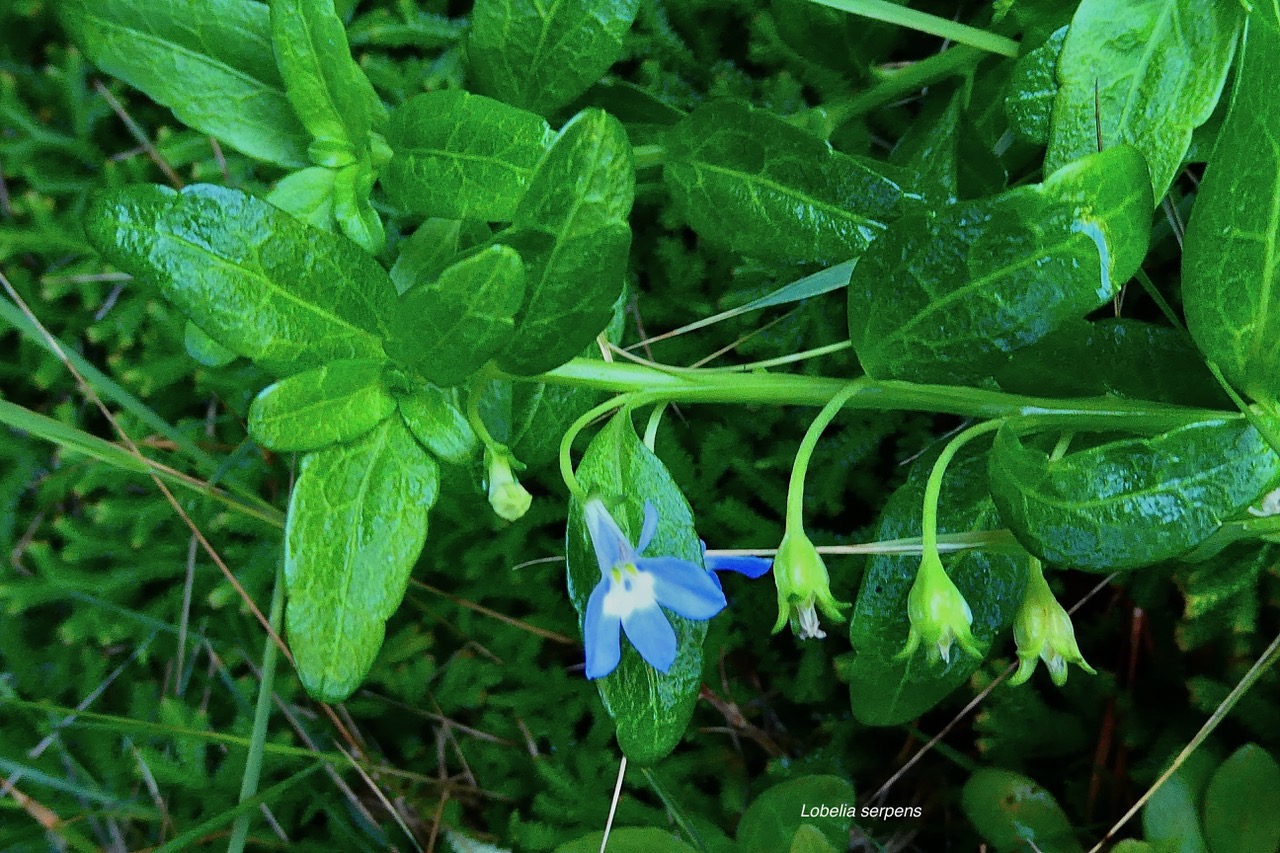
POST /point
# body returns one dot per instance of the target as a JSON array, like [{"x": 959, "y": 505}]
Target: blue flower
[{"x": 633, "y": 589}]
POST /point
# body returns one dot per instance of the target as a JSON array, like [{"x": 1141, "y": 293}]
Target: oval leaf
[
  {"x": 748, "y": 180},
  {"x": 357, "y": 522},
  {"x": 1231, "y": 267},
  {"x": 1010, "y": 810},
  {"x": 947, "y": 297},
  {"x": 260, "y": 282},
  {"x": 338, "y": 402},
  {"x": 462, "y": 156},
  {"x": 1242, "y": 804},
  {"x": 651, "y": 710},
  {"x": 1132, "y": 502},
  {"x": 196, "y": 57},
  {"x": 774, "y": 818},
  {"x": 434, "y": 418},
  {"x": 1143, "y": 72}
]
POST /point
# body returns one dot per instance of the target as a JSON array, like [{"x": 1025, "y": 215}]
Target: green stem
[
  {"x": 795, "y": 491},
  {"x": 566, "y": 442},
  {"x": 903, "y": 16},
  {"x": 649, "y": 156},
  {"x": 933, "y": 488},
  {"x": 474, "y": 391},
  {"x": 780, "y": 389},
  {"x": 261, "y": 717},
  {"x": 953, "y": 61}
]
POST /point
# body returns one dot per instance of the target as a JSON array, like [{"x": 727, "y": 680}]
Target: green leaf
[
  {"x": 629, "y": 840},
  {"x": 449, "y": 328},
  {"x": 329, "y": 92},
  {"x": 885, "y": 690},
  {"x": 1242, "y": 803},
  {"x": 307, "y": 411},
  {"x": 651, "y": 710},
  {"x": 1231, "y": 266},
  {"x": 930, "y": 147},
  {"x": 260, "y": 282},
  {"x": 809, "y": 839},
  {"x": 430, "y": 250},
  {"x": 1033, "y": 89},
  {"x": 308, "y": 195},
  {"x": 1132, "y": 502},
  {"x": 748, "y": 180},
  {"x": 1129, "y": 358},
  {"x": 946, "y": 297},
  {"x": 462, "y": 156},
  {"x": 357, "y": 522},
  {"x": 197, "y": 57},
  {"x": 1171, "y": 818},
  {"x": 356, "y": 217},
  {"x": 1010, "y": 810},
  {"x": 773, "y": 819},
  {"x": 1143, "y": 72},
  {"x": 580, "y": 196},
  {"x": 434, "y": 418},
  {"x": 205, "y": 349},
  {"x": 541, "y": 56}
]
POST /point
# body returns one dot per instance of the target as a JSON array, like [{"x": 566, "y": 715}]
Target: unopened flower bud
[
  {"x": 939, "y": 615},
  {"x": 1042, "y": 629},
  {"x": 803, "y": 583},
  {"x": 509, "y": 499}
]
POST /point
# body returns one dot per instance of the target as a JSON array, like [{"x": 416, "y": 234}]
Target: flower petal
[
  {"x": 649, "y": 527},
  {"x": 649, "y": 631},
  {"x": 683, "y": 587},
  {"x": 607, "y": 538},
  {"x": 752, "y": 567},
  {"x": 600, "y": 635}
]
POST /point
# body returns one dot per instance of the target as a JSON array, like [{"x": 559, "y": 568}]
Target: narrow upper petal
[
  {"x": 600, "y": 635},
  {"x": 649, "y": 528},
  {"x": 752, "y": 567},
  {"x": 683, "y": 587},
  {"x": 649, "y": 631},
  {"x": 608, "y": 540}
]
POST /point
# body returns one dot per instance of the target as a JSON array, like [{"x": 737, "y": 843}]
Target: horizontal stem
[
  {"x": 996, "y": 541},
  {"x": 782, "y": 389}
]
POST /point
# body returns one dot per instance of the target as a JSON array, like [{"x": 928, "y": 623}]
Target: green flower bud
[
  {"x": 1042, "y": 629},
  {"x": 803, "y": 582},
  {"x": 509, "y": 499},
  {"x": 939, "y": 615}
]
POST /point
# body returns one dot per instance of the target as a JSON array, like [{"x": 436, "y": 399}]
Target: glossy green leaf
[
  {"x": 462, "y": 156},
  {"x": 1034, "y": 88},
  {"x": 773, "y": 818},
  {"x": 530, "y": 417},
  {"x": 1012, "y": 812},
  {"x": 209, "y": 61},
  {"x": 357, "y": 522},
  {"x": 434, "y": 418},
  {"x": 429, "y": 251},
  {"x": 748, "y": 180},
  {"x": 1231, "y": 266},
  {"x": 205, "y": 349},
  {"x": 338, "y": 402},
  {"x": 579, "y": 196},
  {"x": 883, "y": 689},
  {"x": 449, "y": 328},
  {"x": 308, "y": 195},
  {"x": 541, "y": 56},
  {"x": 1128, "y": 358},
  {"x": 352, "y": 209},
  {"x": 929, "y": 149},
  {"x": 629, "y": 840},
  {"x": 809, "y": 839},
  {"x": 832, "y": 37},
  {"x": 329, "y": 92},
  {"x": 946, "y": 297},
  {"x": 1145, "y": 72},
  {"x": 1171, "y": 818},
  {"x": 651, "y": 710},
  {"x": 260, "y": 282},
  {"x": 1242, "y": 803},
  {"x": 1131, "y": 502}
]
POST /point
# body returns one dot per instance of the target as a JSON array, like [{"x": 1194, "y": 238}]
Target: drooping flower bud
[
  {"x": 803, "y": 583},
  {"x": 1042, "y": 629},
  {"x": 939, "y": 615},
  {"x": 509, "y": 499}
]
